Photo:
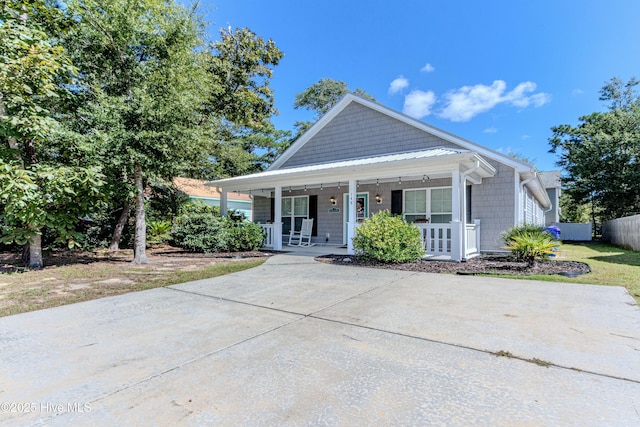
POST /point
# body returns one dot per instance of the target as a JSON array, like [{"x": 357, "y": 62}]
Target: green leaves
[
  {"x": 46, "y": 196},
  {"x": 31, "y": 70},
  {"x": 529, "y": 243},
  {"x": 601, "y": 156},
  {"x": 387, "y": 238}
]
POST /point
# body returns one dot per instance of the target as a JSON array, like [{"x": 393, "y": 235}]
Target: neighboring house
[
  {"x": 362, "y": 157},
  {"x": 552, "y": 182},
  {"x": 198, "y": 190}
]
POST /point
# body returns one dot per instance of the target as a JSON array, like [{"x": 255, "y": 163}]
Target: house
[
  {"x": 552, "y": 182},
  {"x": 198, "y": 190},
  {"x": 362, "y": 157}
]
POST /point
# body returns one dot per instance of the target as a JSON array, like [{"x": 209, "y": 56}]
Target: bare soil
[{"x": 483, "y": 264}]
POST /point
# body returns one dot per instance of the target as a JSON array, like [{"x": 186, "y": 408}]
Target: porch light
[
  {"x": 321, "y": 188},
  {"x": 399, "y": 180},
  {"x": 378, "y": 199},
  {"x": 377, "y": 182},
  {"x": 332, "y": 200}
]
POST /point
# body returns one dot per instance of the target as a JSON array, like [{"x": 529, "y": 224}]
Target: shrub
[
  {"x": 159, "y": 231},
  {"x": 508, "y": 235},
  {"x": 388, "y": 238},
  {"x": 529, "y": 243},
  {"x": 201, "y": 232},
  {"x": 245, "y": 236},
  {"x": 195, "y": 206}
]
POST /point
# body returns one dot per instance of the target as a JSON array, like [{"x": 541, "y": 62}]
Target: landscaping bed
[{"x": 483, "y": 264}]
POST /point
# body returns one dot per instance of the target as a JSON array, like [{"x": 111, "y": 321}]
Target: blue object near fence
[{"x": 554, "y": 231}]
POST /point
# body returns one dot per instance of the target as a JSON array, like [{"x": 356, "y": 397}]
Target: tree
[
  {"x": 145, "y": 86},
  {"x": 601, "y": 156},
  {"x": 320, "y": 97},
  {"x": 241, "y": 103},
  {"x": 240, "y": 65},
  {"x": 32, "y": 70}
]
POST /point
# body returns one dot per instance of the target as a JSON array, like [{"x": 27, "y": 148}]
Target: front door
[{"x": 362, "y": 211}]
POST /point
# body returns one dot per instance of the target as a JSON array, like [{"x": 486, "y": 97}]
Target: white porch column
[
  {"x": 351, "y": 220},
  {"x": 457, "y": 250},
  {"x": 277, "y": 219},
  {"x": 223, "y": 202}
]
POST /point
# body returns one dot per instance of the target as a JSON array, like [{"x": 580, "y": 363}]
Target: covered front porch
[
  {"x": 436, "y": 241},
  {"x": 431, "y": 188}
]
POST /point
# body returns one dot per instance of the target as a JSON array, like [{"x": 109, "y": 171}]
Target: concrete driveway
[{"x": 296, "y": 342}]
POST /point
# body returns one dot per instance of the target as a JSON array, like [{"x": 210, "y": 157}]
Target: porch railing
[
  {"x": 472, "y": 238},
  {"x": 436, "y": 238},
  {"x": 268, "y": 231}
]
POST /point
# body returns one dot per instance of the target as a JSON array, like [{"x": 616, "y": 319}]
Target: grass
[
  {"x": 610, "y": 266},
  {"x": 37, "y": 290}
]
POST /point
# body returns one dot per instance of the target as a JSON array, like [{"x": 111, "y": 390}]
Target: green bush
[
  {"x": 201, "y": 232},
  {"x": 245, "y": 236},
  {"x": 388, "y": 238},
  {"x": 195, "y": 206},
  {"x": 158, "y": 231},
  {"x": 529, "y": 243},
  {"x": 508, "y": 235}
]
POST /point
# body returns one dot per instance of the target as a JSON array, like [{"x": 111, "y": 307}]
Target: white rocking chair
[{"x": 302, "y": 237}]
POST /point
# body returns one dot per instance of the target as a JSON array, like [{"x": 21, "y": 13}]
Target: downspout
[
  {"x": 463, "y": 178},
  {"x": 522, "y": 184}
]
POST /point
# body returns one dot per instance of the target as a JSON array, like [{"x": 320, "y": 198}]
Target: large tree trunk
[
  {"x": 32, "y": 253},
  {"x": 140, "y": 240},
  {"x": 117, "y": 232}
]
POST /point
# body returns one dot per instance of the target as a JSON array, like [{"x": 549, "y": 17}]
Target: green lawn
[{"x": 610, "y": 265}]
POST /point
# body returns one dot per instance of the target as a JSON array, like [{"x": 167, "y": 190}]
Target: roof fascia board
[{"x": 408, "y": 167}]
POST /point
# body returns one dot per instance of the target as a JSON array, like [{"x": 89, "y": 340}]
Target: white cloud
[
  {"x": 525, "y": 137},
  {"x": 428, "y": 68},
  {"x": 467, "y": 102},
  {"x": 577, "y": 92},
  {"x": 398, "y": 85},
  {"x": 490, "y": 130},
  {"x": 418, "y": 104}
]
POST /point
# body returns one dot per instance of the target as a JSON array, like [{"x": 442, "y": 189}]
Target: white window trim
[
  {"x": 293, "y": 215},
  {"x": 428, "y": 213}
]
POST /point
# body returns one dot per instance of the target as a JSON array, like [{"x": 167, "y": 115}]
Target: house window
[
  {"x": 433, "y": 204},
  {"x": 294, "y": 210}
]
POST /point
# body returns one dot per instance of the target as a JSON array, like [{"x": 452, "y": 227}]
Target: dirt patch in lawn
[
  {"x": 483, "y": 264},
  {"x": 74, "y": 276}
]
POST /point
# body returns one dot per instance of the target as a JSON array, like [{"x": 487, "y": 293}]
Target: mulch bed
[{"x": 483, "y": 264}]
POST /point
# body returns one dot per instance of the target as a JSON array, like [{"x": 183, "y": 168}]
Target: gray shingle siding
[
  {"x": 261, "y": 209},
  {"x": 357, "y": 132},
  {"x": 493, "y": 202}
]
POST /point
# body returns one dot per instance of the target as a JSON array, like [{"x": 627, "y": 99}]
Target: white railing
[
  {"x": 436, "y": 238},
  {"x": 472, "y": 238},
  {"x": 268, "y": 231}
]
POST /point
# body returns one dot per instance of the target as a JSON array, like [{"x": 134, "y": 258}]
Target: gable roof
[{"x": 439, "y": 133}]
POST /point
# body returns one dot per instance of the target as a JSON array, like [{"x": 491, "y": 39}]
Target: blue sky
[{"x": 499, "y": 73}]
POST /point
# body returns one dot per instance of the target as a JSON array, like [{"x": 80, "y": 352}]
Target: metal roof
[{"x": 407, "y": 164}]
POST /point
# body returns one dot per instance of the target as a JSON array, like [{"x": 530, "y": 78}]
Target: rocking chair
[{"x": 302, "y": 237}]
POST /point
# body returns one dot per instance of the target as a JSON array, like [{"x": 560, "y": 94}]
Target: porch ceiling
[{"x": 434, "y": 163}]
